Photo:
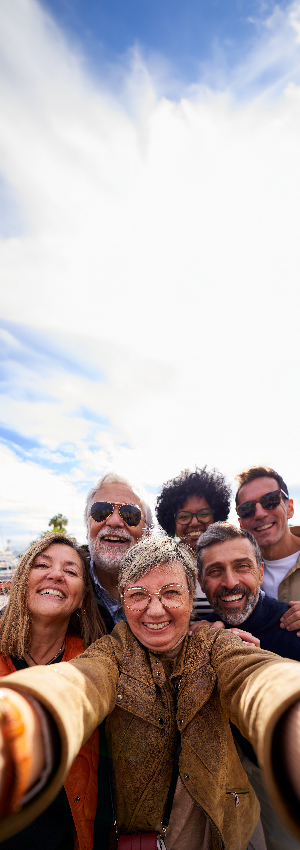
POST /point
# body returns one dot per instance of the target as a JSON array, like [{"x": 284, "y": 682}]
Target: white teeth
[
  {"x": 232, "y": 598},
  {"x": 114, "y": 539},
  {"x": 157, "y": 625},
  {"x": 263, "y": 527},
  {"x": 50, "y": 592}
]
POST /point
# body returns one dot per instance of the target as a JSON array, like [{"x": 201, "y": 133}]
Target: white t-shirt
[{"x": 275, "y": 572}]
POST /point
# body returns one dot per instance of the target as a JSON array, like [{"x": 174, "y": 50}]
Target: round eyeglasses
[
  {"x": 184, "y": 517},
  {"x": 170, "y": 596}
]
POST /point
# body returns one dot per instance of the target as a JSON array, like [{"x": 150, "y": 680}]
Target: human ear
[
  {"x": 261, "y": 573},
  {"x": 290, "y": 509}
]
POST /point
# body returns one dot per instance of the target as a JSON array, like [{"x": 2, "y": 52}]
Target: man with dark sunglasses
[
  {"x": 117, "y": 516},
  {"x": 264, "y": 508}
]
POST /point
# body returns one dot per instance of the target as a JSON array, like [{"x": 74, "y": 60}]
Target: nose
[
  {"x": 115, "y": 520},
  {"x": 229, "y": 578},
  {"x": 260, "y": 511},
  {"x": 194, "y": 522},
  {"x": 155, "y": 608},
  {"x": 55, "y": 573}
]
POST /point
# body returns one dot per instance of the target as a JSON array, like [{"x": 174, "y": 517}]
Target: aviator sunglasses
[
  {"x": 130, "y": 514},
  {"x": 268, "y": 502}
]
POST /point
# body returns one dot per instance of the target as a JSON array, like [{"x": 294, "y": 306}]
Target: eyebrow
[
  {"x": 49, "y": 558},
  {"x": 235, "y": 561}
]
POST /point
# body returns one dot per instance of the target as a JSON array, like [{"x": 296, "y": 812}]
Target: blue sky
[
  {"x": 186, "y": 34},
  {"x": 149, "y": 238}
]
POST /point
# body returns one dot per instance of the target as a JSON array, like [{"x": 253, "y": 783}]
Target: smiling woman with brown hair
[{"x": 51, "y": 617}]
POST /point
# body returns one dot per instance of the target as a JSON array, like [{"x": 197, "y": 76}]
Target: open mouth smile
[
  {"x": 112, "y": 539},
  {"x": 49, "y": 592},
  {"x": 235, "y": 597},
  {"x": 264, "y": 527},
  {"x": 157, "y": 626}
]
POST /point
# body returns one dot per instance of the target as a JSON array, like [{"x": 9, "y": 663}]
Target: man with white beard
[{"x": 117, "y": 516}]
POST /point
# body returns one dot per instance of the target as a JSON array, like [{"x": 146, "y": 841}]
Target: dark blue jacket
[{"x": 264, "y": 623}]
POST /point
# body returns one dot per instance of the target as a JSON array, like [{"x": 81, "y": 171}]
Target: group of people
[{"x": 167, "y": 716}]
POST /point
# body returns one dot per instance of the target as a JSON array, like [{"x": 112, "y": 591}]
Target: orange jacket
[{"x": 81, "y": 783}]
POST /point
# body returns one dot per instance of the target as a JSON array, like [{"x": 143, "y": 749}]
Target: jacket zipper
[{"x": 236, "y": 796}]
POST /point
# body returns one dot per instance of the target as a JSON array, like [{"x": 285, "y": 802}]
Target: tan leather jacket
[
  {"x": 289, "y": 588},
  {"x": 219, "y": 678}
]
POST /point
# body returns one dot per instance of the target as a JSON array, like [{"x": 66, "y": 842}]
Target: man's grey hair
[
  {"x": 218, "y": 532},
  {"x": 152, "y": 552},
  {"x": 114, "y": 478}
]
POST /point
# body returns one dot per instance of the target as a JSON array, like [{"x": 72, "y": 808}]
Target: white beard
[{"x": 104, "y": 556}]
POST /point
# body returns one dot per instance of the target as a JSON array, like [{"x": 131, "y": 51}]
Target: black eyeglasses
[
  {"x": 184, "y": 517},
  {"x": 268, "y": 502},
  {"x": 130, "y": 514}
]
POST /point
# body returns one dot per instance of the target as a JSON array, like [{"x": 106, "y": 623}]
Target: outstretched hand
[
  {"x": 21, "y": 749},
  {"x": 291, "y": 619}
]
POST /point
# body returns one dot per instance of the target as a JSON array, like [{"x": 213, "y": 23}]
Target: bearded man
[
  {"x": 231, "y": 572},
  {"x": 117, "y": 516}
]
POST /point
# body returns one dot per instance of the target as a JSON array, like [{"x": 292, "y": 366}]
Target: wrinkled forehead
[
  {"x": 228, "y": 553},
  {"x": 160, "y": 574},
  {"x": 119, "y": 493},
  {"x": 257, "y": 488}
]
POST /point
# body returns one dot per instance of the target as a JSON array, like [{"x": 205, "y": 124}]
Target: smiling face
[
  {"x": 109, "y": 540},
  {"x": 158, "y": 628},
  {"x": 231, "y": 579},
  {"x": 190, "y": 533},
  {"x": 55, "y": 583},
  {"x": 268, "y": 527}
]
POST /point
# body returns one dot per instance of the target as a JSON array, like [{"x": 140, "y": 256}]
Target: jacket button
[
  {"x": 186, "y": 777},
  {"x": 161, "y": 721},
  {"x": 212, "y": 678},
  {"x": 77, "y": 799},
  {"x": 180, "y": 722},
  {"x": 119, "y": 697},
  {"x": 158, "y": 672}
]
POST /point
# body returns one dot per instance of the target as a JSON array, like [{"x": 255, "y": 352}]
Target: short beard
[
  {"x": 107, "y": 559},
  {"x": 235, "y": 618}
]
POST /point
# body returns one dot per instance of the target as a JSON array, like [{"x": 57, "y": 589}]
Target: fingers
[
  {"x": 217, "y": 625},
  {"x": 200, "y": 623},
  {"x": 291, "y": 619},
  {"x": 246, "y": 637}
]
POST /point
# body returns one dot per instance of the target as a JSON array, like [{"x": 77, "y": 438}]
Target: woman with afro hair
[{"x": 186, "y": 506}]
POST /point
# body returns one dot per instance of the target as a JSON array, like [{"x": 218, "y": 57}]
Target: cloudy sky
[{"x": 149, "y": 223}]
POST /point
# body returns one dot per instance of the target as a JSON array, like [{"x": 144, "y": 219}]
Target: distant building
[{"x": 8, "y": 566}]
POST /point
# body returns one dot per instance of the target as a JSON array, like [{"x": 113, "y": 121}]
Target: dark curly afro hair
[{"x": 210, "y": 485}]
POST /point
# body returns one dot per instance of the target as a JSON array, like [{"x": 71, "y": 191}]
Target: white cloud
[{"x": 161, "y": 246}]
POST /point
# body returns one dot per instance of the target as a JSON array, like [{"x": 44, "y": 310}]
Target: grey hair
[
  {"x": 151, "y": 552},
  {"x": 114, "y": 478},
  {"x": 218, "y": 533}
]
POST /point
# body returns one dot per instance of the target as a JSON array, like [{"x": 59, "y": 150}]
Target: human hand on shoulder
[
  {"x": 291, "y": 619},
  {"x": 246, "y": 637},
  {"x": 199, "y": 623}
]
